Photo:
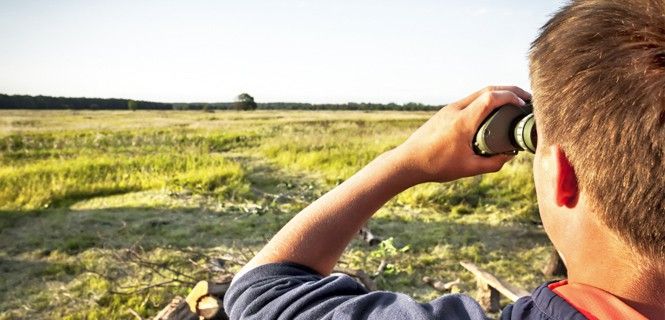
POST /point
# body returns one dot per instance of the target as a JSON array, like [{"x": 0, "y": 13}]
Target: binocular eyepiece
[{"x": 507, "y": 130}]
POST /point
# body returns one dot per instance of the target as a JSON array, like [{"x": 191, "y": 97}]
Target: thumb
[{"x": 495, "y": 163}]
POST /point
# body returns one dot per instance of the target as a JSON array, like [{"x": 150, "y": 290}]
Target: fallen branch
[
  {"x": 135, "y": 314},
  {"x": 381, "y": 268},
  {"x": 138, "y": 289},
  {"x": 135, "y": 257}
]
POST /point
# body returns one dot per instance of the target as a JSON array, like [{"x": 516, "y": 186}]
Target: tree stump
[
  {"x": 488, "y": 297},
  {"x": 555, "y": 265},
  {"x": 490, "y": 286}
]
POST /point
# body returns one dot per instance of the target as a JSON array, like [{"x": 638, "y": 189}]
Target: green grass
[
  {"x": 52, "y": 181},
  {"x": 80, "y": 191},
  {"x": 335, "y": 149}
]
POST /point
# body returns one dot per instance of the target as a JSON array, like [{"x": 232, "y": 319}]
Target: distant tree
[
  {"x": 132, "y": 105},
  {"x": 245, "y": 102}
]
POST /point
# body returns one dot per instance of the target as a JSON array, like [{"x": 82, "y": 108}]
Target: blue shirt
[{"x": 291, "y": 291}]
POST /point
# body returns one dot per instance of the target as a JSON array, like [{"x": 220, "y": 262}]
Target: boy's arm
[{"x": 440, "y": 150}]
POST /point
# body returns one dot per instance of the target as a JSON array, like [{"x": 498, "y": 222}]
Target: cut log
[
  {"x": 485, "y": 279},
  {"x": 177, "y": 309},
  {"x": 211, "y": 307},
  {"x": 203, "y": 302}
]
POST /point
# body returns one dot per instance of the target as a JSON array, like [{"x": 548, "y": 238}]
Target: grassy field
[{"x": 102, "y": 212}]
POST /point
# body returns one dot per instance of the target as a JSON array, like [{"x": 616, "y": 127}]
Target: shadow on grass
[
  {"x": 75, "y": 231},
  {"x": 70, "y": 232},
  {"x": 45, "y": 254},
  {"x": 56, "y": 245},
  {"x": 70, "y": 198},
  {"x": 30, "y": 269}
]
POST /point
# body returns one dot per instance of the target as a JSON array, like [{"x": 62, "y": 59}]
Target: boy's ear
[{"x": 566, "y": 189}]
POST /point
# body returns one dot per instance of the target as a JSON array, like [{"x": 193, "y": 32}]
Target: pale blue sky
[{"x": 277, "y": 50}]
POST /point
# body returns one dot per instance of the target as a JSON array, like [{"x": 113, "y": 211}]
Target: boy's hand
[{"x": 441, "y": 149}]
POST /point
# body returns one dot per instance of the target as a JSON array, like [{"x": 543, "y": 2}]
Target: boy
[{"x": 598, "y": 75}]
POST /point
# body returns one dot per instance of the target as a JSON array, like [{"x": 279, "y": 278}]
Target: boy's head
[{"x": 598, "y": 77}]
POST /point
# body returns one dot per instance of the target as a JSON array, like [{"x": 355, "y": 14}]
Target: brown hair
[{"x": 598, "y": 75}]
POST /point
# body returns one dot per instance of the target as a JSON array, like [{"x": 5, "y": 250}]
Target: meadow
[{"x": 103, "y": 212}]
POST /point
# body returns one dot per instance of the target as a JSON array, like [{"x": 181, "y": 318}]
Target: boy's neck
[{"x": 606, "y": 262}]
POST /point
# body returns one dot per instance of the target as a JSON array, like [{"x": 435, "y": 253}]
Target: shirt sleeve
[{"x": 291, "y": 291}]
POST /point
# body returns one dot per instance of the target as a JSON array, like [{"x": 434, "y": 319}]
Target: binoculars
[{"x": 507, "y": 130}]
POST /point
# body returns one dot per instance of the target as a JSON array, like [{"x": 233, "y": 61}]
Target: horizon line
[{"x": 221, "y": 102}]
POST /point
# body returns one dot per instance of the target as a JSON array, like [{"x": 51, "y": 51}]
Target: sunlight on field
[{"x": 88, "y": 197}]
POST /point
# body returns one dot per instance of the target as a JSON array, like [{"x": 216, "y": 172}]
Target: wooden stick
[{"x": 513, "y": 293}]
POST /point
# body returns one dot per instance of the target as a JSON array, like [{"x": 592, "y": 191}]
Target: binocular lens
[
  {"x": 508, "y": 129},
  {"x": 525, "y": 133}
]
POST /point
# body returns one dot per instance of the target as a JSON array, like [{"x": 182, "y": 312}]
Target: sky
[{"x": 382, "y": 51}]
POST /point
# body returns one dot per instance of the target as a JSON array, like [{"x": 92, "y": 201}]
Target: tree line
[
  {"x": 47, "y": 102},
  {"x": 244, "y": 102}
]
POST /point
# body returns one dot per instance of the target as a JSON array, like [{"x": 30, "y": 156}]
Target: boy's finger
[
  {"x": 485, "y": 103},
  {"x": 463, "y": 103},
  {"x": 494, "y": 163}
]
